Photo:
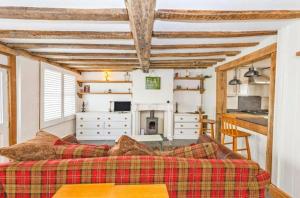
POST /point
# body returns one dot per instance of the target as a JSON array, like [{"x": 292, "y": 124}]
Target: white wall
[
  {"x": 162, "y": 95},
  {"x": 28, "y": 106},
  {"x": 286, "y": 158}
]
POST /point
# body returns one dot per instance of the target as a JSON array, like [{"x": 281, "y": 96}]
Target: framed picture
[{"x": 152, "y": 82}]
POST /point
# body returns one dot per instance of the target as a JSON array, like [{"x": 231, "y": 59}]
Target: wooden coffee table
[{"x": 112, "y": 191}]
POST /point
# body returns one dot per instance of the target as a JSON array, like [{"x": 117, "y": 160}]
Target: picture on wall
[{"x": 152, "y": 82}]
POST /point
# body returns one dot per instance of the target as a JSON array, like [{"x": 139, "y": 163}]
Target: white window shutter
[
  {"x": 52, "y": 95},
  {"x": 69, "y": 95}
]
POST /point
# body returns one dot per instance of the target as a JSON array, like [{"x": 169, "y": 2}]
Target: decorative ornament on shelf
[
  {"x": 107, "y": 76},
  {"x": 86, "y": 89},
  {"x": 187, "y": 73},
  {"x": 83, "y": 107},
  {"x": 127, "y": 76}
]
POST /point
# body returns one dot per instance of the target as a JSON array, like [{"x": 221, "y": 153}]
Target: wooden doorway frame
[
  {"x": 221, "y": 99},
  {"x": 12, "y": 95}
]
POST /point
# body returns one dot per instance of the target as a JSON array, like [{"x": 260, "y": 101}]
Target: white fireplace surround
[{"x": 168, "y": 117}]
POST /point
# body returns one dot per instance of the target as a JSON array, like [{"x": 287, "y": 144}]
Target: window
[
  {"x": 59, "y": 96},
  {"x": 69, "y": 95},
  {"x": 52, "y": 95}
]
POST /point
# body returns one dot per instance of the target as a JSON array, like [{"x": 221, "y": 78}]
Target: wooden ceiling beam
[
  {"x": 141, "y": 16},
  {"x": 101, "y": 65},
  {"x": 218, "y": 53},
  {"x": 219, "y": 34},
  {"x": 126, "y": 47},
  {"x": 95, "y": 55},
  {"x": 70, "y": 46},
  {"x": 35, "y": 34},
  {"x": 258, "y": 55},
  {"x": 18, "y": 52},
  {"x": 78, "y": 60},
  {"x": 189, "y": 60},
  {"x": 63, "y": 14},
  {"x": 196, "y": 46},
  {"x": 218, "y": 15}
]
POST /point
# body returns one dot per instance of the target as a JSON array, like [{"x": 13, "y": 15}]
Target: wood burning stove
[{"x": 151, "y": 124}]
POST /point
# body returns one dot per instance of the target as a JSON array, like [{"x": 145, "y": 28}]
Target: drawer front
[
  {"x": 116, "y": 132},
  {"x": 189, "y": 118},
  {"x": 186, "y": 132},
  {"x": 117, "y": 125},
  {"x": 85, "y": 132},
  {"x": 89, "y": 117},
  {"x": 89, "y": 125},
  {"x": 118, "y": 117},
  {"x": 185, "y": 125}
]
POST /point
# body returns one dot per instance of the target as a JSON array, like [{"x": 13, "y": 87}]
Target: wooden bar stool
[
  {"x": 229, "y": 128},
  {"x": 205, "y": 129}
]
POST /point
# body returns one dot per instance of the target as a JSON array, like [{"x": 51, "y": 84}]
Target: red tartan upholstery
[
  {"x": 71, "y": 151},
  {"x": 183, "y": 177}
]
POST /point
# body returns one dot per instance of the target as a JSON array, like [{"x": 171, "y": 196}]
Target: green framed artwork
[{"x": 152, "y": 82}]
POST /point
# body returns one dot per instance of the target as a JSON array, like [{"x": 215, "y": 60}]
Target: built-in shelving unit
[
  {"x": 80, "y": 94},
  {"x": 102, "y": 81},
  {"x": 197, "y": 90},
  {"x": 189, "y": 78},
  {"x": 197, "y": 78}
]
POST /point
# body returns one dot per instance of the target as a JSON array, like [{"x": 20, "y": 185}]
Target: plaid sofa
[{"x": 183, "y": 177}]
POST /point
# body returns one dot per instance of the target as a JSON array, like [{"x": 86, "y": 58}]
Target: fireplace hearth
[{"x": 151, "y": 124}]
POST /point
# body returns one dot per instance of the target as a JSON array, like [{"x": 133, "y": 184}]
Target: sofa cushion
[
  {"x": 80, "y": 151},
  {"x": 70, "y": 139},
  {"x": 196, "y": 151},
  {"x": 38, "y": 148},
  {"x": 129, "y": 146}
]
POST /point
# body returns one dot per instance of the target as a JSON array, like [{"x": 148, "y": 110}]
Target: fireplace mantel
[{"x": 167, "y": 108}]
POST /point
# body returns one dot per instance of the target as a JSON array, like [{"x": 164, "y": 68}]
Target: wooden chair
[
  {"x": 204, "y": 128},
  {"x": 229, "y": 128}
]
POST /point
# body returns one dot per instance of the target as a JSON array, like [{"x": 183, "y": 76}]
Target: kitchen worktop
[
  {"x": 259, "y": 120},
  {"x": 256, "y": 123}
]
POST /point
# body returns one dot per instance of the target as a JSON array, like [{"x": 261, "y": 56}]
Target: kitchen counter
[
  {"x": 260, "y": 121},
  {"x": 256, "y": 123}
]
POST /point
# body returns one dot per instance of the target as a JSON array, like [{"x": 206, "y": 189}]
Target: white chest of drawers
[
  {"x": 186, "y": 126},
  {"x": 102, "y": 125}
]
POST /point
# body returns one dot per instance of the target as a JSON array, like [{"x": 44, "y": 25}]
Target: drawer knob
[
  {"x": 108, "y": 132},
  {"x": 196, "y": 125},
  {"x": 81, "y": 118},
  {"x": 181, "y": 132},
  {"x": 98, "y": 125},
  {"x": 81, "y": 133},
  {"x": 125, "y": 118},
  {"x": 98, "y": 132},
  {"x": 196, "y": 132},
  {"x": 181, "y": 125},
  {"x": 109, "y": 118},
  {"x": 125, "y": 132},
  {"x": 98, "y": 118},
  {"x": 81, "y": 125},
  {"x": 196, "y": 118},
  {"x": 181, "y": 118},
  {"x": 108, "y": 125},
  {"x": 125, "y": 125}
]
